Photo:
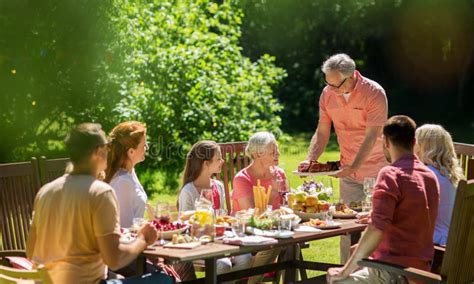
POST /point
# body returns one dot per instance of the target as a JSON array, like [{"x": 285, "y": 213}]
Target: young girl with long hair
[{"x": 202, "y": 162}]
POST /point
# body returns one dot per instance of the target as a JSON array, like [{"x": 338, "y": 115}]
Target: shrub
[{"x": 187, "y": 79}]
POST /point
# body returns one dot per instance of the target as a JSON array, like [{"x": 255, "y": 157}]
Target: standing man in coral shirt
[{"x": 357, "y": 107}]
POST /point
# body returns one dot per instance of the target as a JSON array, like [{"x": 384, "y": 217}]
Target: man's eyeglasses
[{"x": 336, "y": 87}]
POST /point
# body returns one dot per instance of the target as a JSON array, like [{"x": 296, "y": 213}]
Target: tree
[
  {"x": 57, "y": 69},
  {"x": 420, "y": 51},
  {"x": 187, "y": 79}
]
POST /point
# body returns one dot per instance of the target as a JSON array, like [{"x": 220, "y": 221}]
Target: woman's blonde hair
[{"x": 436, "y": 149}]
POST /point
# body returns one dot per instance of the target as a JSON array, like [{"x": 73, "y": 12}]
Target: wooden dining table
[{"x": 289, "y": 263}]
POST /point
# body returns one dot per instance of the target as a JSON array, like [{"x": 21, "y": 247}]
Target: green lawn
[{"x": 291, "y": 154}]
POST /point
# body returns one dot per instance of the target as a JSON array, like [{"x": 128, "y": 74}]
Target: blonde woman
[{"x": 434, "y": 147}]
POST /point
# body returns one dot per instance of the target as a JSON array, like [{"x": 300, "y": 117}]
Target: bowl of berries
[{"x": 168, "y": 229}]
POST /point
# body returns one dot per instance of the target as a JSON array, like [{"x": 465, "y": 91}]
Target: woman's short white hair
[
  {"x": 258, "y": 143},
  {"x": 339, "y": 62}
]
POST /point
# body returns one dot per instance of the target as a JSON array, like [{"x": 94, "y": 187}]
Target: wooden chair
[
  {"x": 12, "y": 275},
  {"x": 51, "y": 169},
  {"x": 465, "y": 154},
  {"x": 19, "y": 183},
  {"x": 457, "y": 266},
  {"x": 234, "y": 160}
]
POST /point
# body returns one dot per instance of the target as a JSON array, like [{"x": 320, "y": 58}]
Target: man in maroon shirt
[{"x": 405, "y": 205}]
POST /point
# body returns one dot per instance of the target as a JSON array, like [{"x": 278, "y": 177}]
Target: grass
[{"x": 292, "y": 152}]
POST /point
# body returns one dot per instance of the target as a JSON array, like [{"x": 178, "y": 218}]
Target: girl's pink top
[{"x": 243, "y": 184}]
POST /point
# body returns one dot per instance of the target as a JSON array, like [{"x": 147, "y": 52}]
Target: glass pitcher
[{"x": 204, "y": 221}]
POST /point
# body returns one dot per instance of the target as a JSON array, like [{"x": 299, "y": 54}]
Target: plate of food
[
  {"x": 343, "y": 212},
  {"x": 323, "y": 225},
  {"x": 356, "y": 206},
  {"x": 183, "y": 242},
  {"x": 309, "y": 174},
  {"x": 287, "y": 214},
  {"x": 269, "y": 233},
  {"x": 315, "y": 168},
  {"x": 225, "y": 220}
]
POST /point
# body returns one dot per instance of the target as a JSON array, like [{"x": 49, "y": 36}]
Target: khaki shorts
[
  {"x": 373, "y": 276},
  {"x": 351, "y": 190}
]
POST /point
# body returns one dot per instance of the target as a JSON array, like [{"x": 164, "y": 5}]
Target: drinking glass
[
  {"x": 283, "y": 185},
  {"x": 175, "y": 216},
  {"x": 137, "y": 224},
  {"x": 328, "y": 188},
  {"x": 220, "y": 226},
  {"x": 162, "y": 213},
  {"x": 220, "y": 212},
  {"x": 283, "y": 190},
  {"x": 238, "y": 227},
  {"x": 285, "y": 224},
  {"x": 329, "y": 215},
  {"x": 366, "y": 205},
  {"x": 205, "y": 199},
  {"x": 369, "y": 186}
]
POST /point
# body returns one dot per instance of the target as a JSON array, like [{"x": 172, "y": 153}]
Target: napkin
[
  {"x": 250, "y": 241},
  {"x": 302, "y": 228}
]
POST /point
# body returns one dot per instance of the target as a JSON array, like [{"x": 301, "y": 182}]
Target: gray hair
[
  {"x": 258, "y": 142},
  {"x": 339, "y": 62}
]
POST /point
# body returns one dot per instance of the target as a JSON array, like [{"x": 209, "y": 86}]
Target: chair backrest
[
  {"x": 465, "y": 153},
  {"x": 12, "y": 275},
  {"x": 52, "y": 169},
  {"x": 19, "y": 183},
  {"x": 234, "y": 160},
  {"x": 457, "y": 266}
]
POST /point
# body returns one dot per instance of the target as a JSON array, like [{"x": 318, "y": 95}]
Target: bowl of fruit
[
  {"x": 168, "y": 229},
  {"x": 307, "y": 206}
]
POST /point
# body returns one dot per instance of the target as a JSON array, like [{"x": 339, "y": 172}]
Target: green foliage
[
  {"x": 187, "y": 79},
  {"x": 56, "y": 70},
  {"x": 302, "y": 34},
  {"x": 175, "y": 65},
  {"x": 420, "y": 51}
]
